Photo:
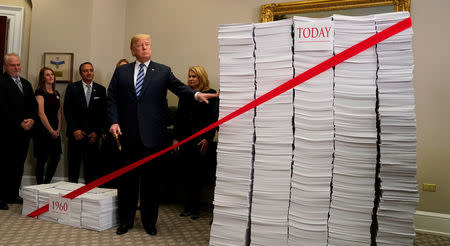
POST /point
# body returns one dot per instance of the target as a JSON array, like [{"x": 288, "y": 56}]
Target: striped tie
[
  {"x": 19, "y": 84},
  {"x": 140, "y": 79}
]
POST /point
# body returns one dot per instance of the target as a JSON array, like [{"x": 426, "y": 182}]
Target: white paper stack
[
  {"x": 95, "y": 210},
  {"x": 397, "y": 136},
  {"x": 30, "y": 195},
  {"x": 355, "y": 160},
  {"x": 314, "y": 137},
  {"x": 74, "y": 218},
  {"x": 99, "y": 209},
  {"x": 234, "y": 152},
  {"x": 44, "y": 196},
  {"x": 274, "y": 135}
]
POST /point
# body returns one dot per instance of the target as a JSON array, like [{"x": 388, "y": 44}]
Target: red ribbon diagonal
[{"x": 314, "y": 71}]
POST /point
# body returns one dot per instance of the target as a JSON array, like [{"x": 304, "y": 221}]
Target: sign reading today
[
  {"x": 316, "y": 35},
  {"x": 59, "y": 206}
]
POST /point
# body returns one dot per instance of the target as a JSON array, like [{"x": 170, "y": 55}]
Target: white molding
[
  {"x": 15, "y": 17},
  {"x": 432, "y": 223}
]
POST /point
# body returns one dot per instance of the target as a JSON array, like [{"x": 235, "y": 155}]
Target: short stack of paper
[
  {"x": 95, "y": 209},
  {"x": 234, "y": 152},
  {"x": 98, "y": 209},
  {"x": 355, "y": 160},
  {"x": 73, "y": 219},
  {"x": 314, "y": 137},
  {"x": 274, "y": 135},
  {"x": 397, "y": 136},
  {"x": 30, "y": 195}
]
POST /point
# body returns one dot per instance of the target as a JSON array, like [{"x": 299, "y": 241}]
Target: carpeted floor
[{"x": 16, "y": 229}]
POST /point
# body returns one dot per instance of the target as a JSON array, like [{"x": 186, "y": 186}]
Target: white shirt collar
[{"x": 147, "y": 63}]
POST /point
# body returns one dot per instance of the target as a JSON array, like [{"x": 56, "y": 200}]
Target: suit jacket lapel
[
  {"x": 80, "y": 89},
  {"x": 130, "y": 79}
]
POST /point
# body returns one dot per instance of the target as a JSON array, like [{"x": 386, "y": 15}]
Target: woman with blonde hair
[
  {"x": 191, "y": 117},
  {"x": 121, "y": 62},
  {"x": 47, "y": 139}
]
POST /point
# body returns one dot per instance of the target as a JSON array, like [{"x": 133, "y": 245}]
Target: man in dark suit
[
  {"x": 137, "y": 110},
  {"x": 85, "y": 112},
  {"x": 19, "y": 111}
]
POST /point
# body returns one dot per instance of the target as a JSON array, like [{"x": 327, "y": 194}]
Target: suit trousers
[
  {"x": 16, "y": 152},
  {"x": 82, "y": 151},
  {"x": 144, "y": 181}
]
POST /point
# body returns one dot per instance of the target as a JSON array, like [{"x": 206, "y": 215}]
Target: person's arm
[
  {"x": 112, "y": 110},
  {"x": 59, "y": 115},
  {"x": 43, "y": 116}
]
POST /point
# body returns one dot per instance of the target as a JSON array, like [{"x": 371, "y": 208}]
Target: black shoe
[
  {"x": 195, "y": 216},
  {"x": 16, "y": 200},
  {"x": 185, "y": 213},
  {"x": 3, "y": 205},
  {"x": 122, "y": 229},
  {"x": 151, "y": 230}
]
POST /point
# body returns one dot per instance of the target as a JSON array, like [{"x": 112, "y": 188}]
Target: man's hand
[
  {"x": 115, "y": 130},
  {"x": 177, "y": 149},
  {"x": 93, "y": 137},
  {"x": 203, "y": 97},
  {"x": 79, "y": 135},
  {"x": 26, "y": 124},
  {"x": 203, "y": 146}
]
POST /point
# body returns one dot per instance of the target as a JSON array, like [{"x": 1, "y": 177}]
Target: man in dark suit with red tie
[
  {"x": 85, "y": 112},
  {"x": 137, "y": 111},
  {"x": 18, "y": 109}
]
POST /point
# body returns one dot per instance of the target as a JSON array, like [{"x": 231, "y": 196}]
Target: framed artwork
[
  {"x": 62, "y": 65},
  {"x": 323, "y": 8}
]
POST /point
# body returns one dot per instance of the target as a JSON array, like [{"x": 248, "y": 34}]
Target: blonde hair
[
  {"x": 203, "y": 80},
  {"x": 122, "y": 60},
  {"x": 139, "y": 36}
]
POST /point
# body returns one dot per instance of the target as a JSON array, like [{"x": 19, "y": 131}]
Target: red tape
[{"x": 316, "y": 70}]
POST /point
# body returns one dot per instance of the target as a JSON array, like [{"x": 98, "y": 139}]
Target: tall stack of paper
[
  {"x": 234, "y": 151},
  {"x": 355, "y": 160},
  {"x": 95, "y": 209},
  {"x": 397, "y": 136},
  {"x": 274, "y": 135},
  {"x": 314, "y": 135}
]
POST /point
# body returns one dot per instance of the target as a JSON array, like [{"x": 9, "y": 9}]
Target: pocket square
[{"x": 96, "y": 98}]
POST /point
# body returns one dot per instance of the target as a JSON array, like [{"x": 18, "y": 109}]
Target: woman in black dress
[
  {"x": 47, "y": 141},
  {"x": 191, "y": 117}
]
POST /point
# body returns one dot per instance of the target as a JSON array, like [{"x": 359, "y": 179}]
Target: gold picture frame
[
  {"x": 62, "y": 65},
  {"x": 268, "y": 11}
]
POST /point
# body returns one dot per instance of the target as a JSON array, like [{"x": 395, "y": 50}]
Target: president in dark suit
[
  {"x": 137, "y": 110},
  {"x": 18, "y": 111},
  {"x": 85, "y": 112}
]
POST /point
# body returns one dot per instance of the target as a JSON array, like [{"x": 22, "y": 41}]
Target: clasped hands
[
  {"x": 80, "y": 135},
  {"x": 26, "y": 124}
]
